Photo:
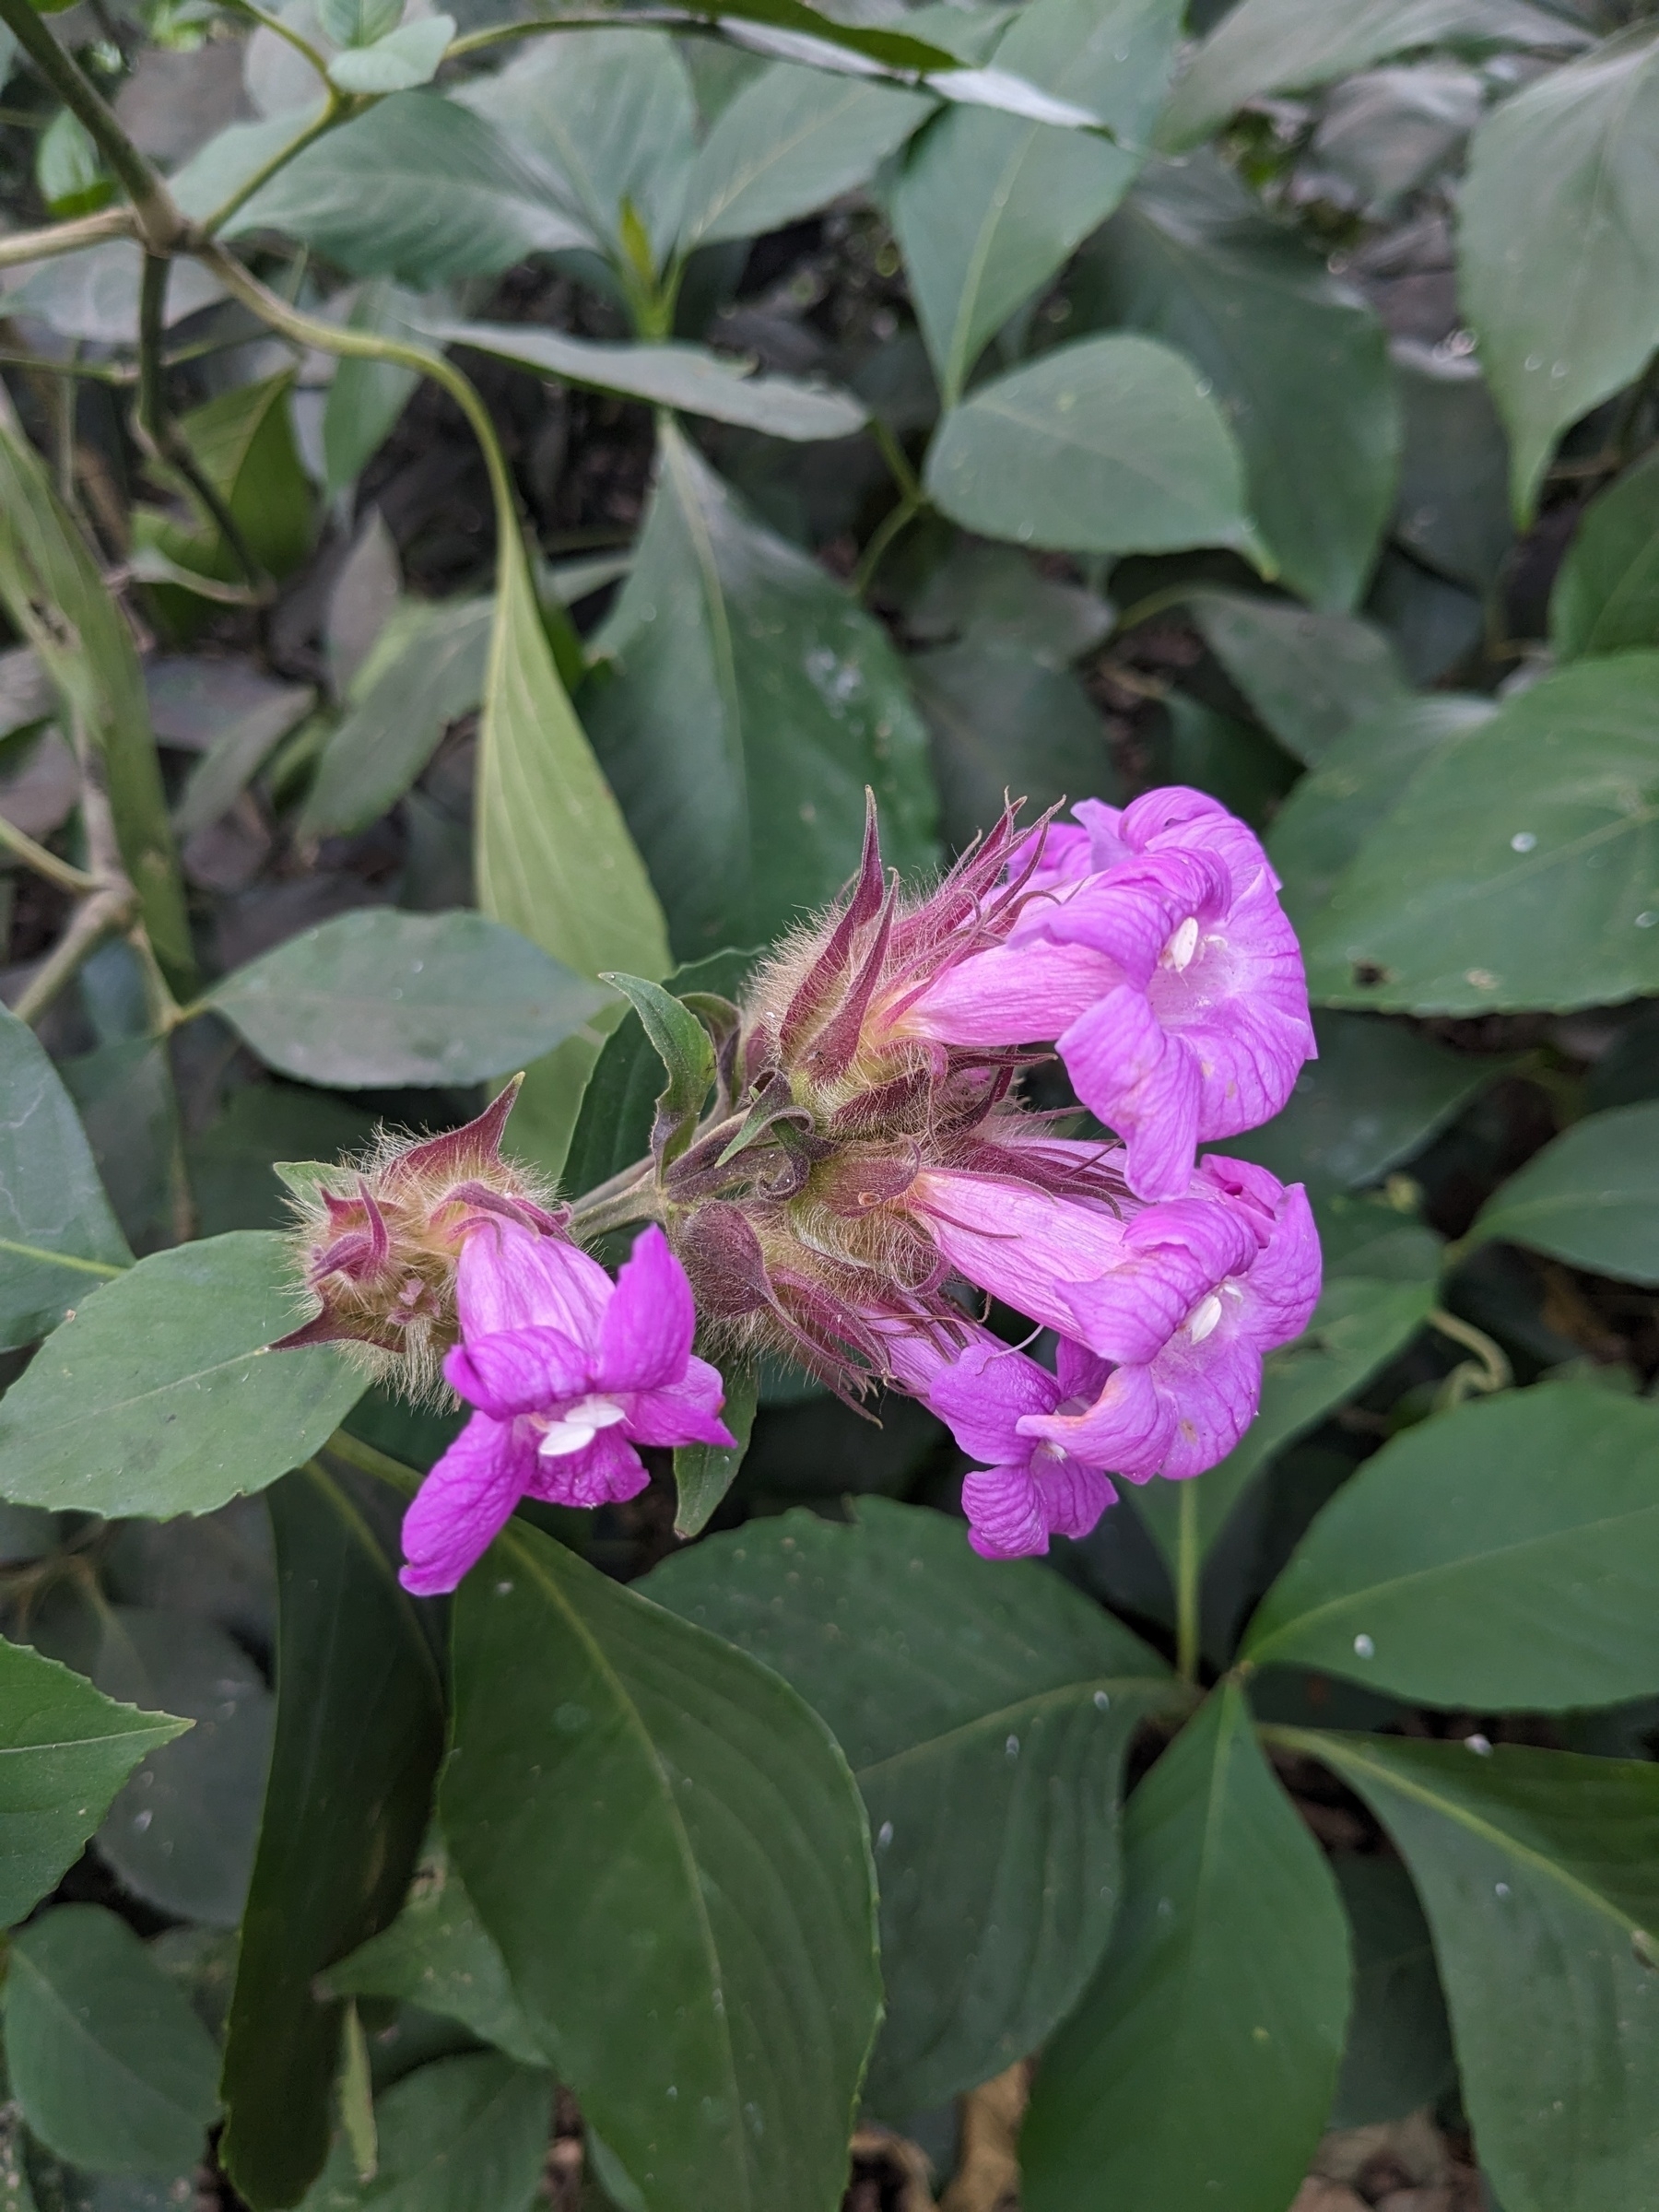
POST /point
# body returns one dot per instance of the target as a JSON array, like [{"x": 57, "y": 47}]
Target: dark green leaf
[
  {"x": 403, "y": 59},
  {"x": 987, "y": 1710},
  {"x": 1199, "y": 2067},
  {"x": 129, "y": 1110},
  {"x": 242, "y": 744},
  {"x": 157, "y": 1396},
  {"x": 232, "y": 1162},
  {"x": 1606, "y": 592},
  {"x": 365, "y": 197},
  {"x": 1453, "y": 512},
  {"x": 381, "y": 997},
  {"x": 1003, "y": 720},
  {"x": 687, "y": 377},
  {"x": 1591, "y": 1198},
  {"x": 1297, "y": 359},
  {"x": 1235, "y": 762},
  {"x": 110, "y": 2065},
  {"x": 57, "y": 1233},
  {"x": 366, "y": 396},
  {"x": 1311, "y": 677},
  {"x": 753, "y": 702},
  {"x": 989, "y": 207},
  {"x": 1520, "y": 866},
  {"x": 180, "y": 1834},
  {"x": 686, "y": 1050},
  {"x": 463, "y": 2135},
  {"x": 359, "y": 1725},
  {"x": 991, "y": 595},
  {"x": 671, "y": 1855},
  {"x": 1110, "y": 445},
  {"x": 1465, "y": 1566},
  {"x": 1539, "y": 1872},
  {"x": 244, "y": 440},
  {"x": 704, "y": 1473},
  {"x": 1399, "y": 2046},
  {"x": 791, "y": 139},
  {"x": 65, "y": 1751},
  {"x": 1558, "y": 262}
]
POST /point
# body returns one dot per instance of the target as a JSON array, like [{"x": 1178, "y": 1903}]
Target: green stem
[
  {"x": 97, "y": 918},
  {"x": 44, "y": 863},
  {"x": 102, "y": 1268},
  {"x": 896, "y": 519},
  {"x": 300, "y": 44},
  {"x": 605, "y": 1208},
  {"x": 335, "y": 113},
  {"x": 342, "y": 1444},
  {"x": 1189, "y": 1562},
  {"x": 159, "y": 430},
  {"x": 898, "y": 461},
  {"x": 65, "y": 238},
  {"x": 163, "y": 225},
  {"x": 1497, "y": 1373},
  {"x": 498, "y": 34}
]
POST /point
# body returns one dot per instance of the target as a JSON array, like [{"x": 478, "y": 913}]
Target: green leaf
[
  {"x": 243, "y": 741},
  {"x": 1454, "y": 512},
  {"x": 157, "y": 1396},
  {"x": 790, "y": 140},
  {"x": 1293, "y": 45},
  {"x": 366, "y": 397},
  {"x": 57, "y": 1233},
  {"x": 232, "y": 1162},
  {"x": 65, "y": 1751},
  {"x": 357, "y": 22},
  {"x": 68, "y": 172},
  {"x": 989, "y": 207},
  {"x": 1539, "y": 1872},
  {"x": 686, "y": 1052},
  {"x": 1606, "y": 591},
  {"x": 619, "y": 1106},
  {"x": 1359, "y": 777},
  {"x": 1518, "y": 868},
  {"x": 364, "y": 195},
  {"x": 437, "y": 1954},
  {"x": 704, "y": 1473},
  {"x": 55, "y": 594},
  {"x": 688, "y": 377},
  {"x": 393, "y": 729},
  {"x": 379, "y": 997},
  {"x": 245, "y": 441},
  {"x": 463, "y": 2134},
  {"x": 1459, "y": 1568},
  {"x": 753, "y": 702},
  {"x": 1590, "y": 1199},
  {"x": 109, "y": 2064},
  {"x": 1311, "y": 677},
  {"x": 1200, "y": 2066},
  {"x": 1110, "y": 445},
  {"x": 359, "y": 1725},
  {"x": 1558, "y": 267},
  {"x": 554, "y": 857},
  {"x": 1398, "y": 2057},
  {"x": 987, "y": 1710},
  {"x": 1297, "y": 359},
  {"x": 672, "y": 1856},
  {"x": 403, "y": 59},
  {"x": 1375, "y": 1096}
]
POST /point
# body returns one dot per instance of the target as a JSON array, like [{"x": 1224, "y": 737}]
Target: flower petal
[
  {"x": 1019, "y": 993},
  {"x": 1214, "y": 1388},
  {"x": 519, "y": 1370},
  {"x": 463, "y": 1505},
  {"x": 1026, "y": 1246},
  {"x": 1128, "y": 1429},
  {"x": 512, "y": 1280},
  {"x": 645, "y": 1336},
  {"x": 1071, "y": 1497},
  {"x": 1173, "y": 1256},
  {"x": 604, "y": 1472},
  {"x": 1141, "y": 1081},
  {"x": 685, "y": 1413},
  {"x": 983, "y": 1394},
  {"x": 1005, "y": 1520}
]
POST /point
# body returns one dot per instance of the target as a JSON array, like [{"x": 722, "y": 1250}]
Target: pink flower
[
  {"x": 569, "y": 1371},
  {"x": 1150, "y": 945}
]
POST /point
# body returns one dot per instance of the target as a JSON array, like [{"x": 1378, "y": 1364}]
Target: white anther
[
  {"x": 1181, "y": 947},
  {"x": 1206, "y": 1314},
  {"x": 579, "y": 1425}
]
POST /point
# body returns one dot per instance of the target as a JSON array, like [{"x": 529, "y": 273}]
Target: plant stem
[
  {"x": 605, "y": 1208},
  {"x": 156, "y": 428},
  {"x": 898, "y": 461},
  {"x": 1497, "y": 1373},
  {"x": 43, "y": 863},
  {"x": 334, "y": 112},
  {"x": 284, "y": 30},
  {"x": 1188, "y": 1564},
  {"x": 897, "y": 518},
  {"x": 342, "y": 1444},
  {"x": 97, "y": 918},
  {"x": 160, "y": 220},
  {"x": 65, "y": 238}
]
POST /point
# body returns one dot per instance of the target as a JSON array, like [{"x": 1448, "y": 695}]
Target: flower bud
[{"x": 379, "y": 1242}]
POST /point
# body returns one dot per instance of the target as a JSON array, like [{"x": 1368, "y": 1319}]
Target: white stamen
[
  {"x": 1205, "y": 1316},
  {"x": 579, "y": 1425},
  {"x": 1181, "y": 947}
]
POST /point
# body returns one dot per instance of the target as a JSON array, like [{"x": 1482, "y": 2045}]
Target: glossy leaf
[
  {"x": 377, "y": 997},
  {"x": 364, "y": 195},
  {"x": 1110, "y": 445},
  {"x": 86, "y": 650},
  {"x": 53, "y": 1213},
  {"x": 1606, "y": 591},
  {"x": 1498, "y": 1556},
  {"x": 65, "y": 1751},
  {"x": 1454, "y": 512},
  {"x": 157, "y": 1397},
  {"x": 752, "y": 702},
  {"x": 986, "y": 1710},
  {"x": 110, "y": 2065},
  {"x": 462, "y": 2134},
  {"x": 989, "y": 207},
  {"x": 1590, "y": 1199},
  {"x": 1292, "y": 45},
  {"x": 791, "y": 139},
  {"x": 1003, "y": 720},
  {"x": 359, "y": 1725},
  {"x": 1311, "y": 677},
  {"x": 1520, "y": 866},
  {"x": 1398, "y": 2057},
  {"x": 672, "y": 1856},
  {"x": 686, "y": 1051},
  {"x": 1558, "y": 265},
  {"x": 704, "y": 1473},
  {"x": 1297, "y": 360},
  {"x": 1538, "y": 1872},
  {"x": 1200, "y": 2063}
]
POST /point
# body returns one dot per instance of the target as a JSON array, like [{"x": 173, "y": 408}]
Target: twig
[
  {"x": 46, "y": 863},
  {"x": 65, "y": 238},
  {"x": 94, "y": 919},
  {"x": 335, "y": 111},
  {"x": 897, "y": 518}
]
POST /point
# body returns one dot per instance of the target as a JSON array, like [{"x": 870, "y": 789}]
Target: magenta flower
[
  {"x": 569, "y": 1371},
  {"x": 1150, "y": 945}
]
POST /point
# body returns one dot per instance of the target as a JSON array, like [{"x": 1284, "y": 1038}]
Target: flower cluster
[{"x": 866, "y": 1178}]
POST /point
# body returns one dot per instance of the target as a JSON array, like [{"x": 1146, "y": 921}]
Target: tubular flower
[{"x": 568, "y": 1371}]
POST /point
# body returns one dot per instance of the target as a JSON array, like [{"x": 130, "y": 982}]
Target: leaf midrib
[{"x": 1126, "y": 1686}]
